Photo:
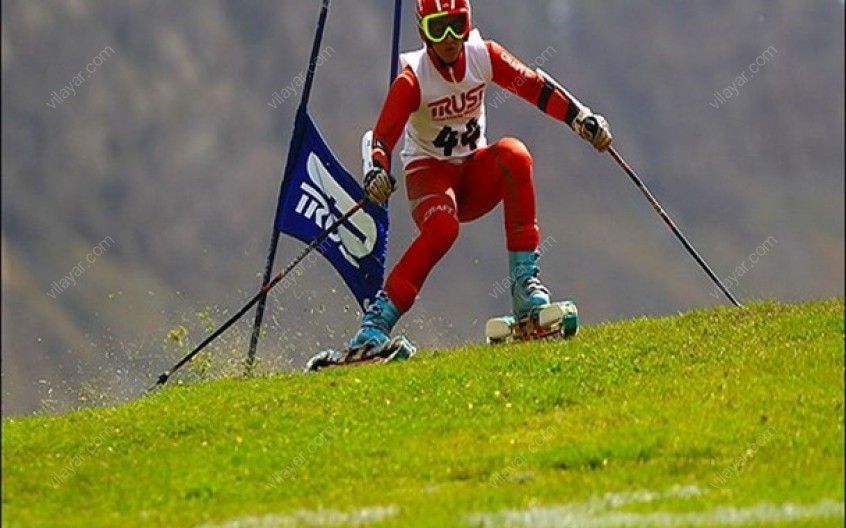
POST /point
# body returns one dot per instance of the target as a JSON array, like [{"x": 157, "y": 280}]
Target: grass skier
[{"x": 452, "y": 174}]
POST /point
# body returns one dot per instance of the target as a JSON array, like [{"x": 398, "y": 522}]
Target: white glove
[
  {"x": 594, "y": 129},
  {"x": 378, "y": 185}
]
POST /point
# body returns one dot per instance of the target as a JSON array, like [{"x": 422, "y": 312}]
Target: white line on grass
[
  {"x": 361, "y": 517},
  {"x": 597, "y": 512}
]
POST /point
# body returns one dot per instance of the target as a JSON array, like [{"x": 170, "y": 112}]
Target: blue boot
[
  {"x": 528, "y": 294},
  {"x": 377, "y": 323}
]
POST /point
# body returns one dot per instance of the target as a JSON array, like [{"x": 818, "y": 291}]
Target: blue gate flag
[{"x": 316, "y": 191}]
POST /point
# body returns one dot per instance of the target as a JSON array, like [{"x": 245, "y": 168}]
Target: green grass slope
[{"x": 717, "y": 417}]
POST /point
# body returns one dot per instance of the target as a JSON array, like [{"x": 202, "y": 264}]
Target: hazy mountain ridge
[{"x": 171, "y": 148}]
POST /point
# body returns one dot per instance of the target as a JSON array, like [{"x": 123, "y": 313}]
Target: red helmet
[
  {"x": 448, "y": 7},
  {"x": 429, "y": 7}
]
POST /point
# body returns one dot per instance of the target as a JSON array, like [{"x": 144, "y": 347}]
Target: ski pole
[
  {"x": 672, "y": 225},
  {"x": 264, "y": 290}
]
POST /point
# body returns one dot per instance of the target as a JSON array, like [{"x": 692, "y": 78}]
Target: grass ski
[
  {"x": 556, "y": 320},
  {"x": 397, "y": 349}
]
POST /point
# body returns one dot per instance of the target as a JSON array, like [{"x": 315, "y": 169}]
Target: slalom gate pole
[
  {"x": 396, "y": 41},
  {"x": 672, "y": 225},
  {"x": 293, "y": 150},
  {"x": 262, "y": 294}
]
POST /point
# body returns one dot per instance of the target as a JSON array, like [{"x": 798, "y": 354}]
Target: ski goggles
[{"x": 438, "y": 26}]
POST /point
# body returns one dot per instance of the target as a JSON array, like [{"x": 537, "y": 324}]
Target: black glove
[{"x": 379, "y": 184}]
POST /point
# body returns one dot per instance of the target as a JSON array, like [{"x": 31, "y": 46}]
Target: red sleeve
[
  {"x": 517, "y": 78},
  {"x": 403, "y": 100}
]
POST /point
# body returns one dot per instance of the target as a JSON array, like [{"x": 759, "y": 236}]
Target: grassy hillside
[{"x": 711, "y": 418}]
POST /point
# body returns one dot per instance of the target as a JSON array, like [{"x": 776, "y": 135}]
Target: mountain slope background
[{"x": 165, "y": 162}]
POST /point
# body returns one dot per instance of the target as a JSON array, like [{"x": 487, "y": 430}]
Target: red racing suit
[{"x": 454, "y": 176}]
